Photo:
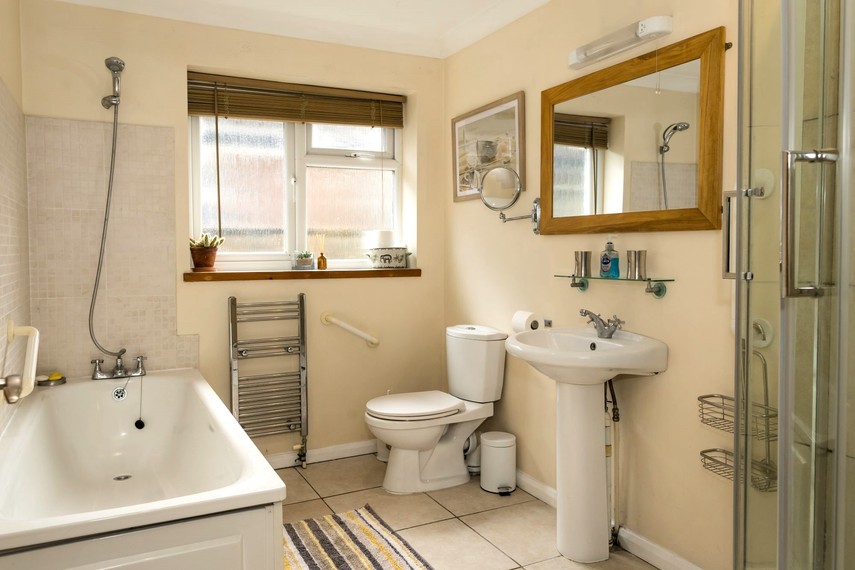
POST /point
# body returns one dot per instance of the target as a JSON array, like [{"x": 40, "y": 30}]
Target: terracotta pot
[{"x": 203, "y": 258}]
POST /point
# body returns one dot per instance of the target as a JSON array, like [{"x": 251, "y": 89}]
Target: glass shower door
[
  {"x": 758, "y": 283},
  {"x": 788, "y": 297}
]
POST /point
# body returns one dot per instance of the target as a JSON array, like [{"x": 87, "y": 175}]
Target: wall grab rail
[{"x": 328, "y": 319}]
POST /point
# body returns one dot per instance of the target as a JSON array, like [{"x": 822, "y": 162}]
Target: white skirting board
[
  {"x": 536, "y": 489},
  {"x": 652, "y": 553},
  {"x": 289, "y": 458},
  {"x": 633, "y": 543}
]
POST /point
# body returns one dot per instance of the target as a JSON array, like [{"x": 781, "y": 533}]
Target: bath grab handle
[
  {"x": 789, "y": 288},
  {"x": 328, "y": 319},
  {"x": 28, "y": 376}
]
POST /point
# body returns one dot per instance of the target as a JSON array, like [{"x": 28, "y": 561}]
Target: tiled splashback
[
  {"x": 67, "y": 166},
  {"x": 14, "y": 274}
]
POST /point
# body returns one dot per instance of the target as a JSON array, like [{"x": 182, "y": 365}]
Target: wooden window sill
[{"x": 204, "y": 276}]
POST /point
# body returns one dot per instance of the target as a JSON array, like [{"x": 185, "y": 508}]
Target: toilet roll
[{"x": 526, "y": 321}]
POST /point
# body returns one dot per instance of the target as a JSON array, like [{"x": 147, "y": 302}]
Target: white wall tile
[
  {"x": 14, "y": 272},
  {"x": 68, "y": 163}
]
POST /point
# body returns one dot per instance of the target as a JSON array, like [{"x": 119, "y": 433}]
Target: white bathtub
[{"x": 73, "y": 464}]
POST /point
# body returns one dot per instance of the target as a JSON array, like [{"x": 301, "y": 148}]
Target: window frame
[
  {"x": 306, "y": 156},
  {"x": 300, "y": 155}
]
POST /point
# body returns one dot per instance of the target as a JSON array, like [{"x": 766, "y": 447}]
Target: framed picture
[{"x": 493, "y": 135}]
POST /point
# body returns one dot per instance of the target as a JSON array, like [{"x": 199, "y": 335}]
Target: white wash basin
[
  {"x": 74, "y": 464},
  {"x": 578, "y": 356},
  {"x": 580, "y": 362}
]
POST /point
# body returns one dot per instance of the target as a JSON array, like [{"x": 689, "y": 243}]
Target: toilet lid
[{"x": 415, "y": 406}]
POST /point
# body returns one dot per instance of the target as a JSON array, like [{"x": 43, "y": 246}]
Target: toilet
[{"x": 427, "y": 431}]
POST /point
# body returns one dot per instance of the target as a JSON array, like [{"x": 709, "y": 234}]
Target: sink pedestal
[
  {"x": 580, "y": 362},
  {"x": 582, "y": 506}
]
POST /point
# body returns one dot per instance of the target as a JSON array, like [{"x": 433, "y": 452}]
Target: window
[
  {"x": 579, "y": 157},
  {"x": 272, "y": 186},
  {"x": 351, "y": 186}
]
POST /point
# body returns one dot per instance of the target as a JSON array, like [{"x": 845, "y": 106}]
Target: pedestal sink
[{"x": 580, "y": 363}]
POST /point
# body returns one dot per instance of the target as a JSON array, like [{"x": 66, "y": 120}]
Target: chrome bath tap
[
  {"x": 119, "y": 371},
  {"x": 605, "y": 329}
]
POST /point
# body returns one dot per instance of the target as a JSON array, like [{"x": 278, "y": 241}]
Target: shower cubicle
[{"x": 794, "y": 265}]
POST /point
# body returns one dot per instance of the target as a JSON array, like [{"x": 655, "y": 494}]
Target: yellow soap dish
[{"x": 54, "y": 379}]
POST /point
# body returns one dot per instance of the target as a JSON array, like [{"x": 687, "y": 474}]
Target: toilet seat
[{"x": 414, "y": 406}]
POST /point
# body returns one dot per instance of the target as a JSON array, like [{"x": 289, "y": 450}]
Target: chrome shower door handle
[
  {"x": 728, "y": 271},
  {"x": 789, "y": 288}
]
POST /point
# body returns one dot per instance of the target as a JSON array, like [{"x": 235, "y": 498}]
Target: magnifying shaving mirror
[{"x": 500, "y": 188}]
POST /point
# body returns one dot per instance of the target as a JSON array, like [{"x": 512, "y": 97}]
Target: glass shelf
[{"x": 653, "y": 285}]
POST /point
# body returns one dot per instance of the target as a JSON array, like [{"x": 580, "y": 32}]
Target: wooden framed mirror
[{"x": 658, "y": 167}]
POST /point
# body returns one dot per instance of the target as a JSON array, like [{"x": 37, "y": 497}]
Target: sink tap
[{"x": 605, "y": 329}]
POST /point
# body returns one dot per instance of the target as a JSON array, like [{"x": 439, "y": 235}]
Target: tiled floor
[{"x": 462, "y": 528}]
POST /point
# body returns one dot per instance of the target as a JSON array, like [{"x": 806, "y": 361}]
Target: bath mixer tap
[
  {"x": 119, "y": 371},
  {"x": 605, "y": 329}
]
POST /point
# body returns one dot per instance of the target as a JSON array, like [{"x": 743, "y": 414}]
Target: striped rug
[{"x": 355, "y": 539}]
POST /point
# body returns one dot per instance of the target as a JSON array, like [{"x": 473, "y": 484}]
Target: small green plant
[
  {"x": 303, "y": 254},
  {"x": 206, "y": 240}
]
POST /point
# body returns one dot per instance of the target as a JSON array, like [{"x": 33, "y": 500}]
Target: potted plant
[
  {"x": 204, "y": 251},
  {"x": 303, "y": 260}
]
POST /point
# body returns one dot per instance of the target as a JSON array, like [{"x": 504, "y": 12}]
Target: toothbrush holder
[
  {"x": 583, "y": 263},
  {"x": 636, "y": 264}
]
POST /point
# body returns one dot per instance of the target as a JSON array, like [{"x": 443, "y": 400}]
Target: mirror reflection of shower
[
  {"x": 115, "y": 65},
  {"x": 663, "y": 148}
]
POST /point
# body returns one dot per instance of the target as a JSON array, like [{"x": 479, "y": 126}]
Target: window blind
[
  {"x": 579, "y": 130},
  {"x": 225, "y": 96}
]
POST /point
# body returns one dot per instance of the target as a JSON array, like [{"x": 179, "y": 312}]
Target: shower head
[
  {"x": 115, "y": 65},
  {"x": 669, "y": 132}
]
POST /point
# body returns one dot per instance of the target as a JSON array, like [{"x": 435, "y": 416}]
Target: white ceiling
[{"x": 433, "y": 28}]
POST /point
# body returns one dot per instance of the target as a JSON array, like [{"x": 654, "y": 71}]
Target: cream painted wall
[
  {"x": 63, "y": 48},
  {"x": 493, "y": 269},
  {"x": 10, "y": 47}
]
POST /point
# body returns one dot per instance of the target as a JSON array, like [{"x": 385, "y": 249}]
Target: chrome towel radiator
[{"x": 272, "y": 402}]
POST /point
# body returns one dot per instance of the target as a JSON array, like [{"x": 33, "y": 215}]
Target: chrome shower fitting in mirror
[
  {"x": 116, "y": 66},
  {"x": 500, "y": 188}
]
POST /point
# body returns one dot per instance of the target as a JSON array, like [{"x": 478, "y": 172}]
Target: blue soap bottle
[{"x": 609, "y": 262}]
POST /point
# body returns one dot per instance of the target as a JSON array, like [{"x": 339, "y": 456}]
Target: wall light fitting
[{"x": 623, "y": 39}]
